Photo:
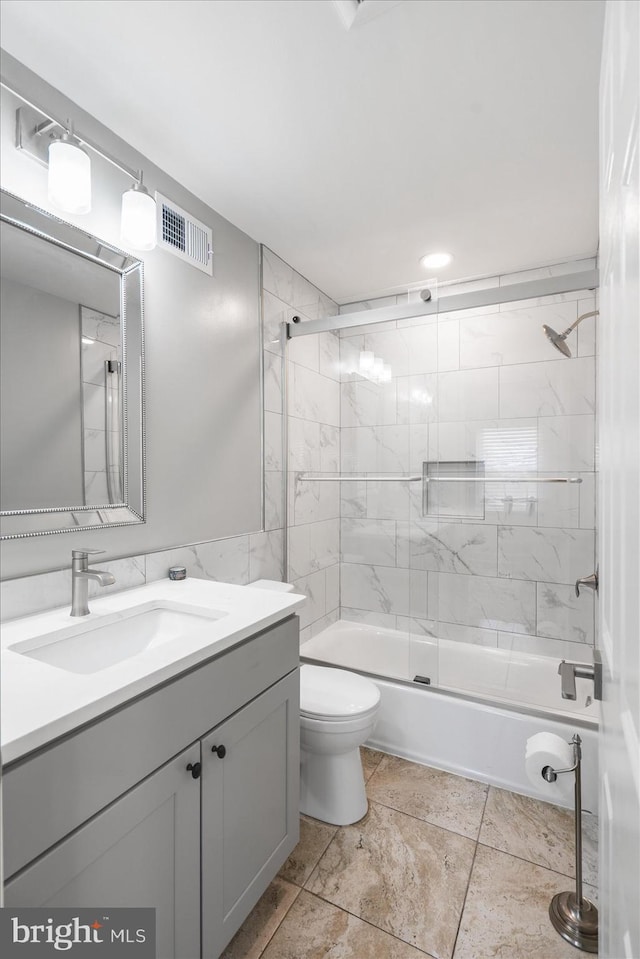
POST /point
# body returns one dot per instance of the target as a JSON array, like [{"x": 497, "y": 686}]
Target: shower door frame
[
  {"x": 508, "y": 293},
  {"x": 546, "y": 286}
]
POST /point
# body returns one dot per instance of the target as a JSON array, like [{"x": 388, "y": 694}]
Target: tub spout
[{"x": 569, "y": 671}]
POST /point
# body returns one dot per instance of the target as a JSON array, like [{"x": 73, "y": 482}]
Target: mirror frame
[{"x": 19, "y": 523}]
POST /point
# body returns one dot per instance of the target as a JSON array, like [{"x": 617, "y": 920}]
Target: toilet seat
[
  {"x": 337, "y": 725},
  {"x": 335, "y": 695}
]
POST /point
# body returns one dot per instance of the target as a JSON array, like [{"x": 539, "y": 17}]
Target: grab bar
[{"x": 439, "y": 479}]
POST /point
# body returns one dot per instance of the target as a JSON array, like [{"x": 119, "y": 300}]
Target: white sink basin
[{"x": 89, "y": 647}]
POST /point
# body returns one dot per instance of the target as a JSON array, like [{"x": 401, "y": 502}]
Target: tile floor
[{"x": 440, "y": 866}]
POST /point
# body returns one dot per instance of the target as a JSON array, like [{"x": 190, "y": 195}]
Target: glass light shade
[
  {"x": 367, "y": 359},
  {"x": 69, "y": 186},
  {"x": 385, "y": 376},
  {"x": 138, "y": 223},
  {"x": 377, "y": 368}
]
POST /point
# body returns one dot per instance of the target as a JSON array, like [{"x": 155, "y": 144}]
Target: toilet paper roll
[{"x": 547, "y": 749}]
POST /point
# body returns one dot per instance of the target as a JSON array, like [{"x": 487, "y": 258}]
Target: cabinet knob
[
  {"x": 195, "y": 769},
  {"x": 220, "y": 750}
]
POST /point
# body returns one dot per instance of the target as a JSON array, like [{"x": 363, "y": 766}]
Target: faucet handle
[
  {"x": 590, "y": 581},
  {"x": 84, "y": 553}
]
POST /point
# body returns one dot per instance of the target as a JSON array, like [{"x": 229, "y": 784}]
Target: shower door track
[{"x": 567, "y": 283}]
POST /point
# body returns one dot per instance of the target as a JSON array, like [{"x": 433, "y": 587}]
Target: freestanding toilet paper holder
[{"x": 572, "y": 916}]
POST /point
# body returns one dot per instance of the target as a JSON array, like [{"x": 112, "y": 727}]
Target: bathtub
[{"x": 477, "y": 712}]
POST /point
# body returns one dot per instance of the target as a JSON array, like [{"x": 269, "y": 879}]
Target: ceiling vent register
[{"x": 184, "y": 236}]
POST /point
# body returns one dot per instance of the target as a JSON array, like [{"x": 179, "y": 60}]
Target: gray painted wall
[
  {"x": 41, "y": 462},
  {"x": 243, "y": 559},
  {"x": 204, "y": 411}
]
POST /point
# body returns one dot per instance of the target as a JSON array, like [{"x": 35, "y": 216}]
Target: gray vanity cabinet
[
  {"x": 144, "y": 849},
  {"x": 249, "y": 808},
  {"x": 100, "y": 818}
]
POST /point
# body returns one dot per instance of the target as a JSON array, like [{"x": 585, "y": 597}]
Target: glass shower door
[
  {"x": 375, "y": 584},
  {"x": 385, "y": 422},
  {"x": 514, "y": 452}
]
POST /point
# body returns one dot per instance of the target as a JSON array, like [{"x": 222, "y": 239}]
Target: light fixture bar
[
  {"x": 64, "y": 151},
  {"x": 32, "y": 122}
]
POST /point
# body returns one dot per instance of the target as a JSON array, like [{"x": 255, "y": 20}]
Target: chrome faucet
[
  {"x": 80, "y": 576},
  {"x": 569, "y": 671}
]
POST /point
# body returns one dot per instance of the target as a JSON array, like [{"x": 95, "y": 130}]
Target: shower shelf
[{"x": 439, "y": 479}]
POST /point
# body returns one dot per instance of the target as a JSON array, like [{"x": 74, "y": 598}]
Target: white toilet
[{"x": 338, "y": 712}]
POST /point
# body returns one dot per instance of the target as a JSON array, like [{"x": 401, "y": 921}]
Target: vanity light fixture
[
  {"x": 436, "y": 261},
  {"x": 65, "y": 152},
  {"x": 139, "y": 217},
  {"x": 69, "y": 184}
]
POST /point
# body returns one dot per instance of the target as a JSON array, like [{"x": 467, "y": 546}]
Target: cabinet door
[
  {"x": 250, "y": 816},
  {"x": 143, "y": 850}
]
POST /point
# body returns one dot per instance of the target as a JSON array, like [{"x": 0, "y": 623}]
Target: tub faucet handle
[{"x": 590, "y": 581}]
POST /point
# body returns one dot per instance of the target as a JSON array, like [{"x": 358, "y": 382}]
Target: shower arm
[{"x": 576, "y": 322}]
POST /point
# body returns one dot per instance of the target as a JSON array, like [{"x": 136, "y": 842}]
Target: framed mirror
[{"x": 72, "y": 377}]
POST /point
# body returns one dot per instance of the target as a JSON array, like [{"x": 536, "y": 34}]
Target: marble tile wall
[
  {"x": 240, "y": 560},
  {"x": 475, "y": 385},
  {"x": 313, "y": 423}
]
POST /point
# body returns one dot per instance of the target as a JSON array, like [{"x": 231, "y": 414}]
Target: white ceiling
[{"x": 463, "y": 125}]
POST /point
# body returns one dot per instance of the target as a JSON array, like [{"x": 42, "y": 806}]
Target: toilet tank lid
[
  {"x": 273, "y": 584},
  {"x": 335, "y": 692}
]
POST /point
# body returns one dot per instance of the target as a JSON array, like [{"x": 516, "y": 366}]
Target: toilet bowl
[{"x": 338, "y": 712}]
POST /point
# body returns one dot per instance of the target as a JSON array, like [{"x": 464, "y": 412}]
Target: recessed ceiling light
[{"x": 435, "y": 261}]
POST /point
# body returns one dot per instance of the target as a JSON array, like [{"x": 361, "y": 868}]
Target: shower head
[{"x": 559, "y": 339}]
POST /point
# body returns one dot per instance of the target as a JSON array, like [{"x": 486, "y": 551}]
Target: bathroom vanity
[{"x": 166, "y": 779}]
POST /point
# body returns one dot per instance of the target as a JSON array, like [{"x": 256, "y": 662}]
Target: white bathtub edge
[{"x": 474, "y": 740}]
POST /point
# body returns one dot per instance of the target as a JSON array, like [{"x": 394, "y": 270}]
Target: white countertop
[{"x": 41, "y": 702}]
